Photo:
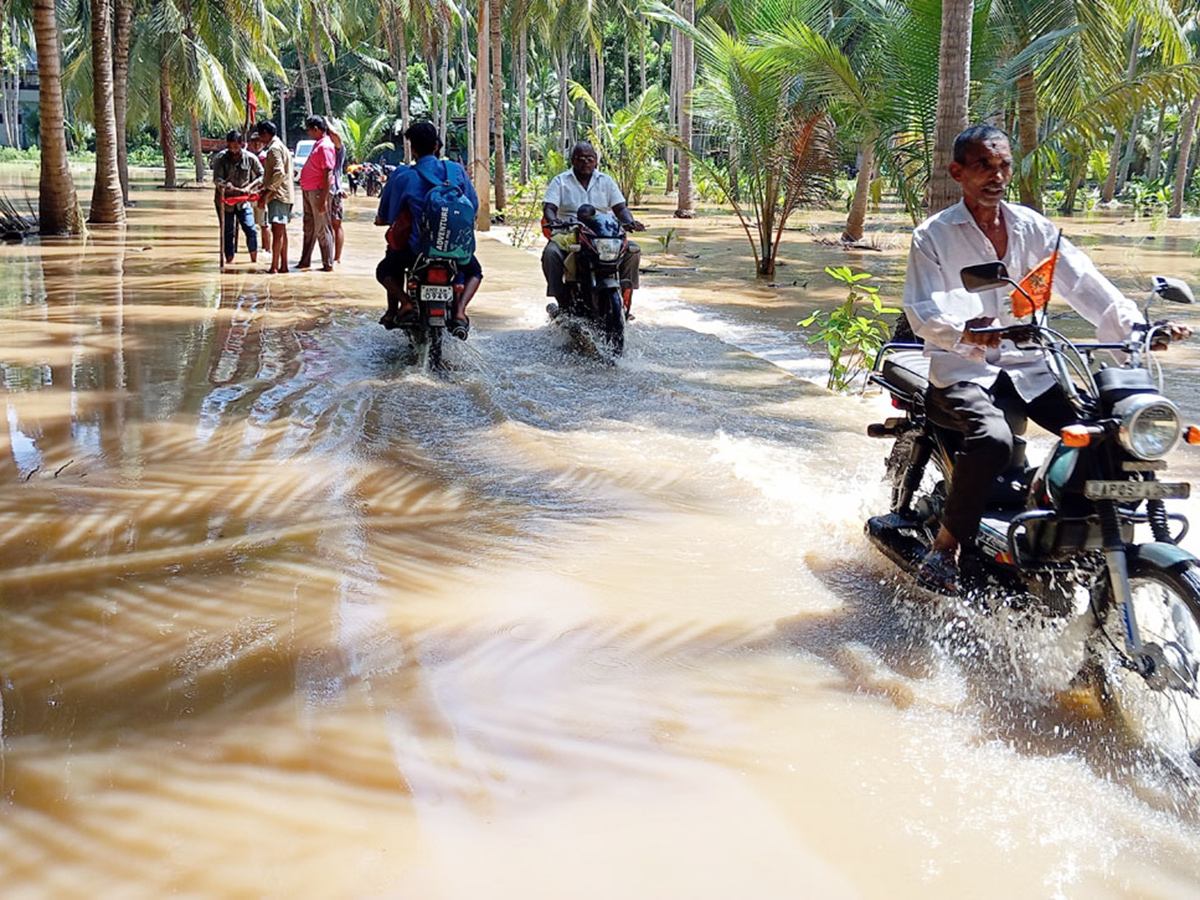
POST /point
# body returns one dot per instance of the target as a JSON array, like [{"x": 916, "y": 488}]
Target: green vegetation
[
  {"x": 779, "y": 98},
  {"x": 854, "y": 332}
]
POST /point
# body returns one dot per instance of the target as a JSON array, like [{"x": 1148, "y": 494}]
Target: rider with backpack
[{"x": 435, "y": 206}]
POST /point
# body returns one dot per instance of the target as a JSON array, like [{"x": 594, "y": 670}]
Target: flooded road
[{"x": 282, "y": 615}]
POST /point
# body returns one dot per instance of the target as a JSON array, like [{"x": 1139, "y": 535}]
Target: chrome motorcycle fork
[
  {"x": 1117, "y": 561},
  {"x": 1118, "y": 576}
]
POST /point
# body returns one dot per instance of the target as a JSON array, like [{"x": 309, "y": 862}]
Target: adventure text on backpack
[{"x": 447, "y": 226}]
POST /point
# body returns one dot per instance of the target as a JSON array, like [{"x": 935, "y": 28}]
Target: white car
[{"x": 300, "y": 156}]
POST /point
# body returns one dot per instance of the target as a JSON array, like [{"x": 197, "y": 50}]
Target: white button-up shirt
[
  {"x": 938, "y": 306},
  {"x": 568, "y": 194}
]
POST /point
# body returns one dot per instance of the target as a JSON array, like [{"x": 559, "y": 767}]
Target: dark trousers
[
  {"x": 978, "y": 414},
  {"x": 242, "y": 215},
  {"x": 554, "y": 261}
]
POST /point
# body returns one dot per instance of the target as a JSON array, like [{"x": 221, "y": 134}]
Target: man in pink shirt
[{"x": 316, "y": 181}]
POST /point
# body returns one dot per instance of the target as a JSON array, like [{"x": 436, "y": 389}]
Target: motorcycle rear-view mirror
[
  {"x": 985, "y": 276},
  {"x": 1174, "y": 289}
]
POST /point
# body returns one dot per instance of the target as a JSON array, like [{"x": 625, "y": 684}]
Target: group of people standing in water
[{"x": 255, "y": 192}]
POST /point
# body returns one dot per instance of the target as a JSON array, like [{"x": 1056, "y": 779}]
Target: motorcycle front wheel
[
  {"x": 614, "y": 320},
  {"x": 1165, "y": 715}
]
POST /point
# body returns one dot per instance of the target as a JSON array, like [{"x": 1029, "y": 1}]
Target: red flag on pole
[
  {"x": 1036, "y": 285},
  {"x": 251, "y": 103}
]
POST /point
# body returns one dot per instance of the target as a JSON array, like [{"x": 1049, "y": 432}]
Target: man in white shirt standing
[
  {"x": 566, "y": 193},
  {"x": 973, "y": 376}
]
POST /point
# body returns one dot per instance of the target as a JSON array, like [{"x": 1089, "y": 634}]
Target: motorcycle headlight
[
  {"x": 1150, "y": 425},
  {"x": 608, "y": 249}
]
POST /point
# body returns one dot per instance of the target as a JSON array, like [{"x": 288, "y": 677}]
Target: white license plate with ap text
[
  {"x": 1136, "y": 490},
  {"x": 433, "y": 293}
]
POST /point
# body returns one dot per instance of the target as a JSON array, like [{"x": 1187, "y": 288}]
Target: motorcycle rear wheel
[
  {"x": 614, "y": 320},
  {"x": 1167, "y": 606},
  {"x": 435, "y": 348}
]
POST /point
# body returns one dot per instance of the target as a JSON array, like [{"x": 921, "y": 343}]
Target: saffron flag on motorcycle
[{"x": 1034, "y": 292}]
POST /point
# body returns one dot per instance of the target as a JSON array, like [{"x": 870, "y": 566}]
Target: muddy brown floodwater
[{"x": 283, "y": 616}]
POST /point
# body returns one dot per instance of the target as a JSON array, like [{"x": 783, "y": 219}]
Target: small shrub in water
[{"x": 854, "y": 332}]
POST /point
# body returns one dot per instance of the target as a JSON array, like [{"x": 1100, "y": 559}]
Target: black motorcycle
[
  {"x": 1060, "y": 539},
  {"x": 596, "y": 299},
  {"x": 432, "y": 287}
]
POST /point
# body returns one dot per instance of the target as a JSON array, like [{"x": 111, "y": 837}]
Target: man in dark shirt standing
[{"x": 237, "y": 172}]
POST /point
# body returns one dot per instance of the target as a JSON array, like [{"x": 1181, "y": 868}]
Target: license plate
[
  {"x": 433, "y": 293},
  {"x": 1136, "y": 490}
]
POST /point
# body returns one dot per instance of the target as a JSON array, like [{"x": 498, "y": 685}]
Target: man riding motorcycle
[
  {"x": 973, "y": 376},
  {"x": 402, "y": 208},
  {"x": 580, "y": 185}
]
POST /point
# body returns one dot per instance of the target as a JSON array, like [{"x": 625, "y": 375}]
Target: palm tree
[
  {"x": 953, "y": 99},
  {"x": 108, "y": 203},
  {"x": 483, "y": 99},
  {"x": 1181, "y": 167},
  {"x": 685, "y": 207},
  {"x": 361, "y": 134},
  {"x": 497, "y": 48},
  {"x": 122, "y": 37},
  {"x": 58, "y": 204},
  {"x": 859, "y": 91},
  {"x": 784, "y": 144}
]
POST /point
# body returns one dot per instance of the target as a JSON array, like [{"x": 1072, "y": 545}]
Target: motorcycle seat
[{"x": 908, "y": 370}]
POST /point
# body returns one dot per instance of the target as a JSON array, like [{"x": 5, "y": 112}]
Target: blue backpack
[{"x": 446, "y": 229}]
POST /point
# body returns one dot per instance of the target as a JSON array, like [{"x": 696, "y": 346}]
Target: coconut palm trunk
[
  {"x": 642, "y": 49},
  {"x": 1130, "y": 150},
  {"x": 685, "y": 207},
  {"x": 197, "y": 144},
  {"x": 304, "y": 85},
  {"x": 523, "y": 95},
  {"x": 108, "y": 204},
  {"x": 673, "y": 102},
  {"x": 954, "y": 81},
  {"x": 1109, "y": 190},
  {"x": 316, "y": 40},
  {"x": 471, "y": 147},
  {"x": 58, "y": 204},
  {"x": 497, "y": 12},
  {"x": 122, "y": 35},
  {"x": 564, "y": 75},
  {"x": 1181, "y": 164},
  {"x": 166, "y": 114},
  {"x": 444, "y": 112},
  {"x": 403, "y": 78},
  {"x": 1156, "y": 149},
  {"x": 1027, "y": 138},
  {"x": 862, "y": 192},
  {"x": 483, "y": 100}
]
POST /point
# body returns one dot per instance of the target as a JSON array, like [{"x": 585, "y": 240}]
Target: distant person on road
[
  {"x": 579, "y": 185},
  {"x": 316, "y": 183},
  {"x": 277, "y": 195},
  {"x": 237, "y": 173},
  {"x": 254, "y": 143},
  {"x": 405, "y": 202}
]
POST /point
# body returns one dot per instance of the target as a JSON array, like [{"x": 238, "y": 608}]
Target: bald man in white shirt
[
  {"x": 972, "y": 375},
  {"x": 579, "y": 185}
]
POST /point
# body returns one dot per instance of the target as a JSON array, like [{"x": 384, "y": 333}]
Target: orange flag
[{"x": 1037, "y": 285}]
